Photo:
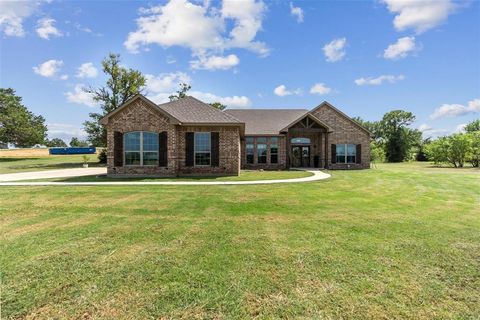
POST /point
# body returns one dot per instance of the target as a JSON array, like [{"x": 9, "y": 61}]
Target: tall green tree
[
  {"x": 75, "y": 142},
  {"x": 398, "y": 137},
  {"x": 122, "y": 84},
  {"x": 18, "y": 125},
  {"x": 180, "y": 93},
  {"x": 473, "y": 126},
  {"x": 55, "y": 142},
  {"x": 218, "y": 105}
]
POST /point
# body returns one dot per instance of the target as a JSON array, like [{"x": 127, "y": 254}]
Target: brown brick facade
[
  {"x": 139, "y": 116},
  {"x": 282, "y": 154}
]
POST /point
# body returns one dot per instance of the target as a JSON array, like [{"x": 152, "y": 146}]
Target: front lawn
[
  {"x": 13, "y": 164},
  {"x": 399, "y": 241}
]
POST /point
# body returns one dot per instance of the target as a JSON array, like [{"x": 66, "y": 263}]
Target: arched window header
[{"x": 300, "y": 141}]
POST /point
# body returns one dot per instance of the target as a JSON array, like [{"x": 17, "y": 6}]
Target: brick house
[{"x": 188, "y": 136}]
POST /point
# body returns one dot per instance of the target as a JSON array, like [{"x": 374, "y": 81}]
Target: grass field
[
  {"x": 23, "y": 160},
  {"x": 399, "y": 241}
]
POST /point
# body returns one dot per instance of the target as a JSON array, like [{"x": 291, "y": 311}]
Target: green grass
[
  {"x": 399, "y": 241},
  {"x": 21, "y": 164}
]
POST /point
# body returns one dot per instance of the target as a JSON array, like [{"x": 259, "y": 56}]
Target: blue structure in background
[{"x": 72, "y": 150}]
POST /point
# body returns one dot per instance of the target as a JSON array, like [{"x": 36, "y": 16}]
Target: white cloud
[
  {"x": 429, "y": 131},
  {"x": 229, "y": 101},
  {"x": 215, "y": 62},
  {"x": 45, "y": 28},
  {"x": 320, "y": 89},
  {"x": 424, "y": 127},
  {"x": 282, "y": 91},
  {"x": 420, "y": 15},
  {"x": 86, "y": 70},
  {"x": 400, "y": 49},
  {"x": 166, "y": 82},
  {"x": 171, "y": 59},
  {"x": 12, "y": 15},
  {"x": 335, "y": 50},
  {"x": 64, "y": 77},
  {"x": 378, "y": 80},
  {"x": 65, "y": 131},
  {"x": 297, "y": 12},
  {"x": 460, "y": 128},
  {"x": 79, "y": 96},
  {"x": 49, "y": 68},
  {"x": 455, "y": 110},
  {"x": 200, "y": 28}
]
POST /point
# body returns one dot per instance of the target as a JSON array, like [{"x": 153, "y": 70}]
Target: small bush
[{"x": 102, "y": 156}]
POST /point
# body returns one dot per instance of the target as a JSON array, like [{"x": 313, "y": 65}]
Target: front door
[{"x": 300, "y": 156}]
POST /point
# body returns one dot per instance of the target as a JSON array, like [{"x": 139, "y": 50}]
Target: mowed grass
[
  {"x": 24, "y": 160},
  {"x": 399, "y": 241}
]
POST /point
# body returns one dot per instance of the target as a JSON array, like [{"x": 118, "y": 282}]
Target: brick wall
[
  {"x": 282, "y": 155},
  {"x": 344, "y": 132},
  {"x": 229, "y": 150}
]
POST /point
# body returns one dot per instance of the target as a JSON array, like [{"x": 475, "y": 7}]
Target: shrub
[{"x": 102, "y": 156}]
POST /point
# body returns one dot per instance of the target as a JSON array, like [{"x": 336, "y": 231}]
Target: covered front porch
[{"x": 307, "y": 143}]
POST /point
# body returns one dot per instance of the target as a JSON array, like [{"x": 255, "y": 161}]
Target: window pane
[
  {"x": 273, "y": 158},
  {"x": 150, "y": 141},
  {"x": 202, "y": 142},
  {"x": 300, "y": 141},
  {"x": 150, "y": 158},
  {"x": 249, "y": 139},
  {"x": 202, "y": 159},
  {"x": 273, "y": 139},
  {"x": 351, "y": 149},
  {"x": 273, "y": 148},
  {"x": 249, "y": 149},
  {"x": 132, "y": 158},
  {"x": 262, "y": 153},
  {"x": 250, "y": 158},
  {"x": 340, "y": 159},
  {"x": 340, "y": 149},
  {"x": 132, "y": 141},
  {"x": 261, "y": 140}
]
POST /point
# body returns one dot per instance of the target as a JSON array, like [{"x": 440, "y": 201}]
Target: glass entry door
[{"x": 300, "y": 156}]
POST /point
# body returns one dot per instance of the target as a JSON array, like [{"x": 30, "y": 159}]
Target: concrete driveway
[{"x": 48, "y": 174}]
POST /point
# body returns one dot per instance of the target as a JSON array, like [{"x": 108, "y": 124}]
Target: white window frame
[
  {"x": 141, "y": 150},
  {"x": 346, "y": 153},
  {"x": 205, "y": 152}
]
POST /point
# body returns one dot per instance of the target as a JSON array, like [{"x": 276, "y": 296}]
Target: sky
[{"x": 364, "y": 57}]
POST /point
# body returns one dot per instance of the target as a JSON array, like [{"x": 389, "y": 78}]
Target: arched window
[
  {"x": 141, "y": 148},
  {"x": 300, "y": 141}
]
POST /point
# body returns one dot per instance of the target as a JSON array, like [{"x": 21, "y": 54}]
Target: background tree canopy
[
  {"x": 122, "y": 84},
  {"x": 18, "y": 125}
]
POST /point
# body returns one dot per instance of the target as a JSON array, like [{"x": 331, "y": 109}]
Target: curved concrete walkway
[
  {"x": 316, "y": 175},
  {"x": 49, "y": 174}
]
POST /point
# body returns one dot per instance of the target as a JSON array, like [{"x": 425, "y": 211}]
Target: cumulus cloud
[
  {"x": 200, "y": 28},
  {"x": 320, "y": 89},
  {"x": 429, "y": 131},
  {"x": 13, "y": 14},
  {"x": 400, "y": 49},
  {"x": 335, "y": 49},
  {"x": 378, "y": 80},
  {"x": 419, "y": 15},
  {"x": 65, "y": 131},
  {"x": 230, "y": 101},
  {"x": 296, "y": 12},
  {"x": 46, "y": 29},
  {"x": 456, "y": 110},
  {"x": 49, "y": 68},
  {"x": 282, "y": 91},
  {"x": 215, "y": 62},
  {"x": 87, "y": 70},
  {"x": 79, "y": 96},
  {"x": 165, "y": 83}
]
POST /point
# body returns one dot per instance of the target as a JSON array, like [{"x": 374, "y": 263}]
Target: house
[{"x": 189, "y": 137}]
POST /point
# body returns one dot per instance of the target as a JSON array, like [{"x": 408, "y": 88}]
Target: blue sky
[{"x": 366, "y": 58}]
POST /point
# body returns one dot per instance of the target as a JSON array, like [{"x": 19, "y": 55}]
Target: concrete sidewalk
[
  {"x": 316, "y": 175},
  {"x": 48, "y": 174}
]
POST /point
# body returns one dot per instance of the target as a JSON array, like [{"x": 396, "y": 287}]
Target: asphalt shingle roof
[
  {"x": 191, "y": 110},
  {"x": 266, "y": 121}
]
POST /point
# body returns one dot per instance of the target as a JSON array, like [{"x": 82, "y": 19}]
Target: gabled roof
[
  {"x": 187, "y": 110},
  {"x": 266, "y": 121},
  {"x": 311, "y": 116},
  {"x": 327, "y": 104},
  {"x": 191, "y": 110}
]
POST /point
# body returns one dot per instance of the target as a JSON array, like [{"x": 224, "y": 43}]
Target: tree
[
  {"x": 181, "y": 93},
  {"x": 454, "y": 149},
  {"x": 393, "y": 128},
  {"x": 18, "y": 125},
  {"x": 218, "y": 105},
  {"x": 473, "y": 126},
  {"x": 372, "y": 126},
  {"x": 75, "y": 142},
  {"x": 55, "y": 142},
  {"x": 474, "y": 155},
  {"x": 122, "y": 84}
]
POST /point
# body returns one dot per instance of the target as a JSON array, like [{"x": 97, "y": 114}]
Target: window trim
[
  {"x": 205, "y": 152},
  {"x": 345, "y": 154},
  {"x": 140, "y": 151}
]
